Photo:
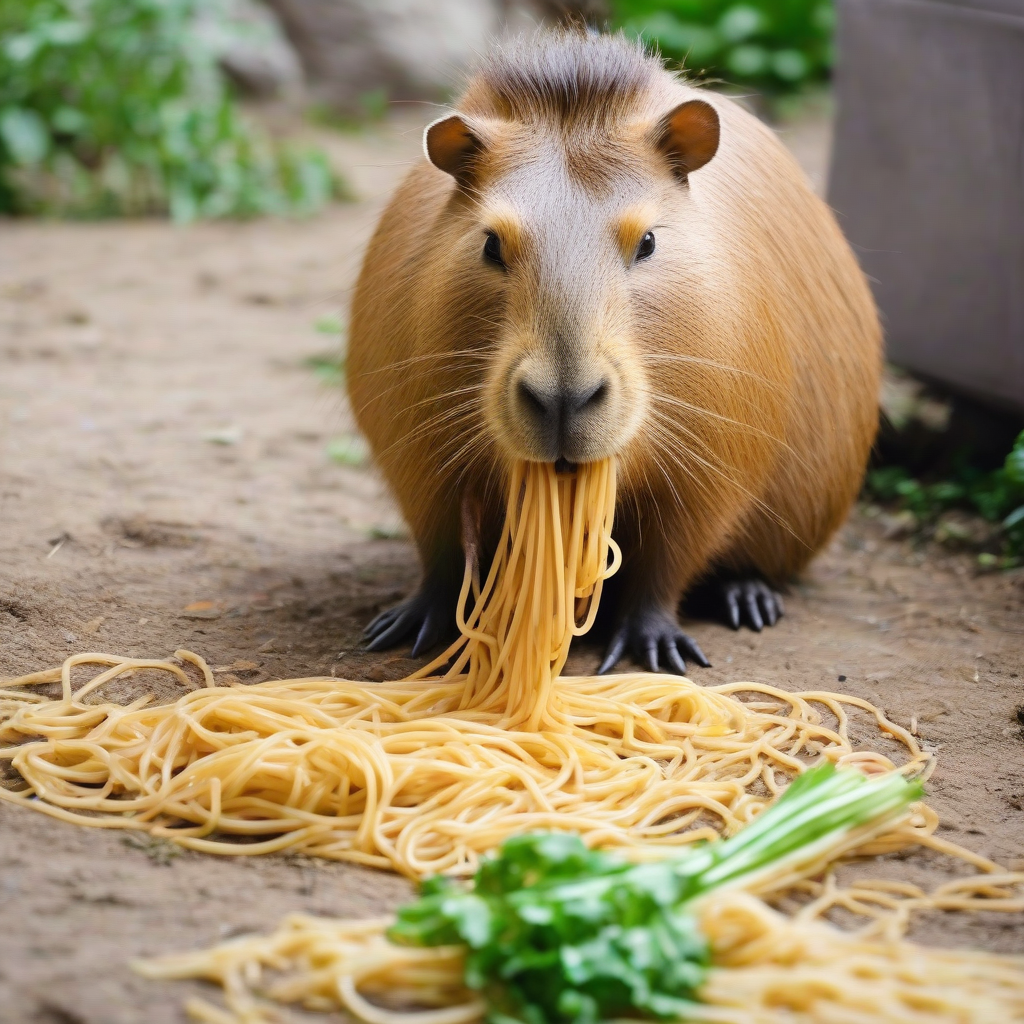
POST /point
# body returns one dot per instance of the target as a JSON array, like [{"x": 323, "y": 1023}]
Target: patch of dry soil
[{"x": 163, "y": 444}]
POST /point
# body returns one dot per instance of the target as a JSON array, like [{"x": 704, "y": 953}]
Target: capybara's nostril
[
  {"x": 585, "y": 399},
  {"x": 543, "y": 405},
  {"x": 559, "y": 415}
]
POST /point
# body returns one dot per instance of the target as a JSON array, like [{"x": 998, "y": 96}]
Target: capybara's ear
[
  {"x": 450, "y": 145},
  {"x": 688, "y": 135}
]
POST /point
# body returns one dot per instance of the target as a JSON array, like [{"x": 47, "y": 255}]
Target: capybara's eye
[
  {"x": 492, "y": 249},
  {"x": 646, "y": 246}
]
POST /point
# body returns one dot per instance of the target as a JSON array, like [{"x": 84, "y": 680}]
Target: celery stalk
[{"x": 559, "y": 934}]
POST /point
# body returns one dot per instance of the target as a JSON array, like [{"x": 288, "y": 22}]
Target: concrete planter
[{"x": 928, "y": 180}]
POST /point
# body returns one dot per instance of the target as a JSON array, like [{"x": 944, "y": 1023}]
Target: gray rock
[
  {"x": 252, "y": 48},
  {"x": 406, "y": 49}
]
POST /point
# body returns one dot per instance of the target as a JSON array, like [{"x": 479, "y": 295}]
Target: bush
[
  {"x": 997, "y": 495},
  {"x": 119, "y": 107},
  {"x": 776, "y": 46}
]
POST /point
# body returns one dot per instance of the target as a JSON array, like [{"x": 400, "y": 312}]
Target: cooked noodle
[
  {"x": 768, "y": 969},
  {"x": 424, "y": 775},
  {"x": 487, "y": 741}
]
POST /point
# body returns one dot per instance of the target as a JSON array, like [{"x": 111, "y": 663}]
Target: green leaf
[
  {"x": 824, "y": 17},
  {"x": 329, "y": 323},
  {"x": 560, "y": 934},
  {"x": 1014, "y": 466},
  {"x": 65, "y": 33},
  {"x": 184, "y": 203},
  {"x": 350, "y": 450},
  {"x": 747, "y": 61},
  {"x": 697, "y": 45},
  {"x": 24, "y": 134},
  {"x": 995, "y": 494},
  {"x": 1015, "y": 518},
  {"x": 22, "y": 47},
  {"x": 790, "y": 42},
  {"x": 329, "y": 367},
  {"x": 470, "y": 916},
  {"x": 790, "y": 65},
  {"x": 947, "y": 492},
  {"x": 142, "y": 116},
  {"x": 68, "y": 120},
  {"x": 740, "y": 23}
]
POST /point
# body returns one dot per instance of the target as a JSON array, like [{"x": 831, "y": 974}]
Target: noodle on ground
[
  {"x": 425, "y": 775},
  {"x": 768, "y": 969},
  {"x": 428, "y": 774}
]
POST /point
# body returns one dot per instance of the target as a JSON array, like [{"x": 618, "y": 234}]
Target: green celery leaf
[{"x": 560, "y": 934}]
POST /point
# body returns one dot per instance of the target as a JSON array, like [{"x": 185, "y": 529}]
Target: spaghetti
[
  {"x": 424, "y": 775},
  {"x": 767, "y": 969},
  {"x": 488, "y": 740}
]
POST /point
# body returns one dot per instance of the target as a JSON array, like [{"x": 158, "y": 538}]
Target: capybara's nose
[{"x": 558, "y": 412}]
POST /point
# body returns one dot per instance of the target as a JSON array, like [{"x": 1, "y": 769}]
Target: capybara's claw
[
  {"x": 428, "y": 616},
  {"x": 655, "y": 640},
  {"x": 752, "y": 603}
]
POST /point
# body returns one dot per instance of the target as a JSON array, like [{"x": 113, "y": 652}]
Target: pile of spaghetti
[
  {"x": 424, "y": 775},
  {"x": 488, "y": 741},
  {"x": 766, "y": 968},
  {"x": 549, "y": 932}
]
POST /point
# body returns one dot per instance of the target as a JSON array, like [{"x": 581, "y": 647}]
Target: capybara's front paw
[
  {"x": 655, "y": 640},
  {"x": 750, "y": 603},
  {"x": 736, "y": 602},
  {"x": 428, "y": 615}
]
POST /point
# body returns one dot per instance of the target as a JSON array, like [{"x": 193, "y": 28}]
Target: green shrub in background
[
  {"x": 775, "y": 46},
  {"x": 119, "y": 107},
  {"x": 997, "y": 495}
]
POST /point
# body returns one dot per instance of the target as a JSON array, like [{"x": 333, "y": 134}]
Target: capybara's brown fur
[{"x": 595, "y": 258}]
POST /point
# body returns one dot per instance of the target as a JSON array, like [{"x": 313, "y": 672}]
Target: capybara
[{"x": 596, "y": 258}]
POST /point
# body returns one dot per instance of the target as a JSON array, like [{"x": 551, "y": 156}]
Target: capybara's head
[{"x": 567, "y": 222}]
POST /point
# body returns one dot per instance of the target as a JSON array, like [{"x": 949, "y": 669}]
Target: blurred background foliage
[
  {"x": 950, "y": 468},
  {"x": 122, "y": 107},
  {"x": 997, "y": 495},
  {"x": 772, "y": 46},
  {"x": 114, "y": 107}
]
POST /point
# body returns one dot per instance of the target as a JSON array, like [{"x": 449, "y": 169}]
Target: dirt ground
[{"x": 165, "y": 482}]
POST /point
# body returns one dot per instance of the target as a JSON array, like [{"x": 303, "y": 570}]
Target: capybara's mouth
[{"x": 563, "y": 465}]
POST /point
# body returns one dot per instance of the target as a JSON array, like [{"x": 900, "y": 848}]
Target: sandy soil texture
[{"x": 166, "y": 482}]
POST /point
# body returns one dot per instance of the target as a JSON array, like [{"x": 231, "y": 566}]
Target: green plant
[
  {"x": 776, "y": 46},
  {"x": 329, "y": 323},
  {"x": 559, "y": 934},
  {"x": 329, "y": 367},
  {"x": 997, "y": 495},
  {"x": 348, "y": 450},
  {"x": 120, "y": 107}
]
